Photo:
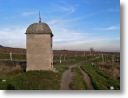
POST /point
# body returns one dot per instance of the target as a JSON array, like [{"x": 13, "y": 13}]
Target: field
[{"x": 75, "y": 70}]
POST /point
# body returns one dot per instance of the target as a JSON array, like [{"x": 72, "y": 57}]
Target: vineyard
[{"x": 74, "y": 70}]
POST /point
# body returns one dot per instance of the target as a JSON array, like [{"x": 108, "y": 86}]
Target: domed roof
[{"x": 38, "y": 28}]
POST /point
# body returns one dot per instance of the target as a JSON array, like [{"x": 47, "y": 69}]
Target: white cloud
[
  {"x": 67, "y": 9},
  {"x": 13, "y": 36},
  {"x": 64, "y": 37},
  {"x": 69, "y": 38},
  {"x": 97, "y": 44},
  {"x": 29, "y": 13},
  {"x": 110, "y": 28},
  {"x": 63, "y": 22},
  {"x": 64, "y": 8}
]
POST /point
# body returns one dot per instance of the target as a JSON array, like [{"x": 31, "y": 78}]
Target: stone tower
[{"x": 39, "y": 47}]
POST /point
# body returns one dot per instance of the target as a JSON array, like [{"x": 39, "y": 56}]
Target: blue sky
[{"x": 76, "y": 24}]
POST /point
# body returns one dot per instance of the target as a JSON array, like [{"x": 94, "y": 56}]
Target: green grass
[
  {"x": 100, "y": 79},
  {"x": 49, "y": 80},
  {"x": 78, "y": 82},
  {"x": 33, "y": 80},
  {"x": 61, "y": 68}
]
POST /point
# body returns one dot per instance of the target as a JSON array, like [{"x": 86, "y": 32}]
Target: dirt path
[
  {"x": 87, "y": 80},
  {"x": 67, "y": 78}
]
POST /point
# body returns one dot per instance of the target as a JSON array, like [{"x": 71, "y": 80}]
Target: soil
[{"x": 67, "y": 78}]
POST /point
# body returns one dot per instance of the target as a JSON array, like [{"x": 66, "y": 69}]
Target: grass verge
[
  {"x": 78, "y": 82},
  {"x": 32, "y": 80},
  {"x": 101, "y": 80}
]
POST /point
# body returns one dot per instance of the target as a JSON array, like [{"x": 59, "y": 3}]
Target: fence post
[{"x": 11, "y": 56}]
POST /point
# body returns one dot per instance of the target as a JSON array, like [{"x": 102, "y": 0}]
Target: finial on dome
[{"x": 39, "y": 17}]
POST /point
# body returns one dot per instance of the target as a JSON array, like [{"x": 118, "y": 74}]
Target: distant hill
[
  {"x": 13, "y": 50},
  {"x": 1, "y": 46},
  {"x": 4, "y": 49}
]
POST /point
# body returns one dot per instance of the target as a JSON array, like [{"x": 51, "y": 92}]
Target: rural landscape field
[
  {"x": 73, "y": 70},
  {"x": 60, "y": 45}
]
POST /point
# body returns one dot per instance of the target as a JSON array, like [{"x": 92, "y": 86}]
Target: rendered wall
[{"x": 39, "y": 52}]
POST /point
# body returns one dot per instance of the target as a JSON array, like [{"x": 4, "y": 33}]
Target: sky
[{"x": 76, "y": 24}]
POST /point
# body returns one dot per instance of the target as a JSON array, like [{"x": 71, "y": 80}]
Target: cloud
[
  {"x": 29, "y": 13},
  {"x": 71, "y": 38},
  {"x": 67, "y": 9},
  {"x": 76, "y": 40},
  {"x": 60, "y": 22},
  {"x": 100, "y": 44},
  {"x": 13, "y": 36},
  {"x": 64, "y": 38},
  {"x": 67, "y": 35},
  {"x": 110, "y": 28},
  {"x": 63, "y": 8},
  {"x": 62, "y": 31}
]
